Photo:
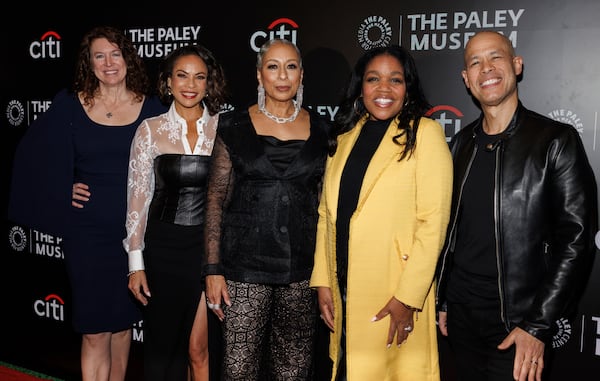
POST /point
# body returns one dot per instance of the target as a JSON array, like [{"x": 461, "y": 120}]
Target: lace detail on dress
[
  {"x": 220, "y": 183},
  {"x": 140, "y": 186},
  {"x": 173, "y": 130},
  {"x": 156, "y": 136}
]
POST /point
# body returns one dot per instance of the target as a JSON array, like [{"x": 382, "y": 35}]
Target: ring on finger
[{"x": 408, "y": 328}]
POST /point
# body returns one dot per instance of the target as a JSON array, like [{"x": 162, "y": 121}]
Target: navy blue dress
[{"x": 62, "y": 147}]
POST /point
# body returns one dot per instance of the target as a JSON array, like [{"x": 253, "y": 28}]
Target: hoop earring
[
  {"x": 299, "y": 96},
  {"x": 355, "y": 105},
  {"x": 261, "y": 97}
]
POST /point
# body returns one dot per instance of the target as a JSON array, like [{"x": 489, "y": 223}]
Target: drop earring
[
  {"x": 299, "y": 96},
  {"x": 261, "y": 97}
]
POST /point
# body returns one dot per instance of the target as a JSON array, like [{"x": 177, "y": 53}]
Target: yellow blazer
[{"x": 396, "y": 235}]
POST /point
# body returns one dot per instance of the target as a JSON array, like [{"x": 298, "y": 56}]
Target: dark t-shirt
[{"x": 474, "y": 276}]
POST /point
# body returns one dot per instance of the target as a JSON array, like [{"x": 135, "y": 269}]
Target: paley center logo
[
  {"x": 17, "y": 238},
  {"x": 47, "y": 47},
  {"x": 568, "y": 117},
  {"x": 280, "y": 28},
  {"x": 37, "y": 242},
  {"x": 449, "y": 117},
  {"x": 563, "y": 333},
  {"x": 51, "y": 307},
  {"x": 374, "y": 31},
  {"x": 17, "y": 111}
]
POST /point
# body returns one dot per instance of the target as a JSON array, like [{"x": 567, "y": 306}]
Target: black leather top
[{"x": 180, "y": 189}]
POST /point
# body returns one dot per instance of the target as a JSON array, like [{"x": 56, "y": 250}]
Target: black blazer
[{"x": 269, "y": 217}]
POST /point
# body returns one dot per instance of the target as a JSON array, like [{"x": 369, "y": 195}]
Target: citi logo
[
  {"x": 51, "y": 307},
  {"x": 449, "y": 117},
  {"x": 47, "y": 47},
  {"x": 280, "y": 28}
]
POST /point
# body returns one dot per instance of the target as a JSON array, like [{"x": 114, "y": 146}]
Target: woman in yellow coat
[{"x": 382, "y": 221}]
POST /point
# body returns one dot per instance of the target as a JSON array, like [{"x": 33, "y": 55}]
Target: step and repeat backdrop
[{"x": 559, "y": 40}]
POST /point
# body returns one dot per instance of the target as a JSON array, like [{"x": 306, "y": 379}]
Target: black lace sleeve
[{"x": 220, "y": 183}]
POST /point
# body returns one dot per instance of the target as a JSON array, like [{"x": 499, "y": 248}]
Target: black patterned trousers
[{"x": 269, "y": 331}]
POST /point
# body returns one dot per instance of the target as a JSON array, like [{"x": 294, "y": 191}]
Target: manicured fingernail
[{"x": 374, "y": 318}]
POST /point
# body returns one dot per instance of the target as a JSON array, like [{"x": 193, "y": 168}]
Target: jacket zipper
[
  {"x": 452, "y": 239},
  {"x": 497, "y": 207}
]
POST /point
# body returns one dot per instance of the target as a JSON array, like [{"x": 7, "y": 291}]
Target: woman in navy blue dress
[{"x": 70, "y": 180}]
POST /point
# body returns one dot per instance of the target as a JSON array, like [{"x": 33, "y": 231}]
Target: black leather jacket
[
  {"x": 545, "y": 219},
  {"x": 263, "y": 219}
]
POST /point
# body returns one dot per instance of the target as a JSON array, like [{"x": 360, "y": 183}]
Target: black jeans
[{"x": 474, "y": 334}]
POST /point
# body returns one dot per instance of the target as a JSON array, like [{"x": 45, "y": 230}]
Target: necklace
[
  {"x": 278, "y": 119},
  {"x": 109, "y": 113}
]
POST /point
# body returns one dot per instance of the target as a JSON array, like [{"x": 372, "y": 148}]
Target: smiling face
[
  {"x": 383, "y": 87},
  {"x": 491, "y": 69},
  {"x": 107, "y": 61},
  {"x": 188, "y": 81}
]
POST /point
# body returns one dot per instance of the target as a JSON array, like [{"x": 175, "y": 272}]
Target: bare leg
[
  {"x": 199, "y": 344},
  {"x": 119, "y": 344},
  {"x": 95, "y": 356},
  {"x": 104, "y": 356}
]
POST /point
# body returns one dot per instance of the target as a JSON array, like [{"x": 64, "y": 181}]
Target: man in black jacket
[{"x": 521, "y": 236}]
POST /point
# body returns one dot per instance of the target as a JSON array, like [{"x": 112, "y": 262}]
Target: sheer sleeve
[
  {"x": 220, "y": 183},
  {"x": 140, "y": 188}
]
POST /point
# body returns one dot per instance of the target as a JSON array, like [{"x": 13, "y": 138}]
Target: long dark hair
[
  {"x": 352, "y": 108},
  {"x": 86, "y": 81},
  {"x": 216, "y": 84}
]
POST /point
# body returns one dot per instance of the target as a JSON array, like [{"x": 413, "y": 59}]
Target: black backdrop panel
[{"x": 558, "y": 40}]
